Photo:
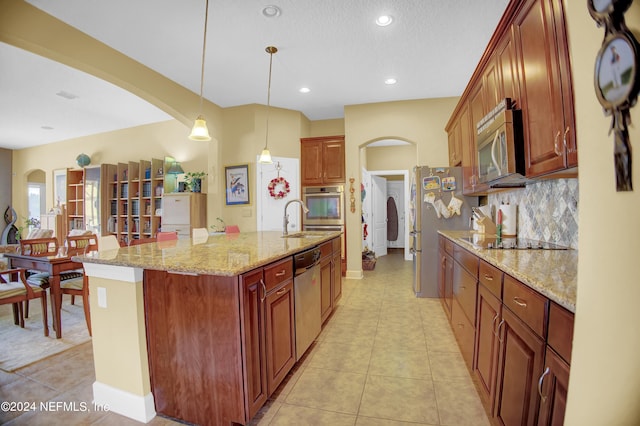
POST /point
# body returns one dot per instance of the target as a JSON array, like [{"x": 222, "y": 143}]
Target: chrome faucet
[{"x": 285, "y": 221}]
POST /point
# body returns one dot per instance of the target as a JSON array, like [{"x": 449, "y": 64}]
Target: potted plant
[{"x": 193, "y": 181}]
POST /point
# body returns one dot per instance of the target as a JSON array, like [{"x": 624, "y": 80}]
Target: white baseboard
[
  {"x": 354, "y": 275},
  {"x": 136, "y": 407}
]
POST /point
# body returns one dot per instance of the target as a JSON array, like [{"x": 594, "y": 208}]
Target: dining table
[{"x": 54, "y": 266}]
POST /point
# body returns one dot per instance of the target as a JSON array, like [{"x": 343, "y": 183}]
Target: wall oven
[{"x": 325, "y": 204}]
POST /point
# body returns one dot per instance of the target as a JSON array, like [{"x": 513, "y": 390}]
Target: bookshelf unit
[
  {"x": 135, "y": 196},
  {"x": 75, "y": 199}
]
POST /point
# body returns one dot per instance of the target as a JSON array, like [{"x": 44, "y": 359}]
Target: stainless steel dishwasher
[{"x": 306, "y": 289}]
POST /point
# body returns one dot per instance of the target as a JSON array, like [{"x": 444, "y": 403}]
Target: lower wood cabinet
[
  {"x": 254, "y": 340},
  {"x": 219, "y": 345},
  {"x": 280, "y": 334},
  {"x": 516, "y": 341},
  {"x": 487, "y": 344},
  {"x": 330, "y": 276},
  {"x": 553, "y": 385},
  {"x": 520, "y": 361}
]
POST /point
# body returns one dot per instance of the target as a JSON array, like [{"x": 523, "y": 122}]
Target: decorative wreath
[{"x": 279, "y": 188}]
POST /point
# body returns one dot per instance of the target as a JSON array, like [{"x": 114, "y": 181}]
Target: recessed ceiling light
[
  {"x": 390, "y": 81},
  {"x": 384, "y": 20},
  {"x": 304, "y": 90},
  {"x": 271, "y": 11}
]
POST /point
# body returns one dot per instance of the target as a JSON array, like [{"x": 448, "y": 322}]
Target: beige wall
[
  {"x": 604, "y": 385},
  {"x": 420, "y": 122},
  {"x": 402, "y": 157}
]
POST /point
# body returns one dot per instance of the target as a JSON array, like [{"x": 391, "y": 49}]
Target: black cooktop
[{"x": 492, "y": 242}]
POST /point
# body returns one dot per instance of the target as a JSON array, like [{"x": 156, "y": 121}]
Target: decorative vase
[{"x": 196, "y": 186}]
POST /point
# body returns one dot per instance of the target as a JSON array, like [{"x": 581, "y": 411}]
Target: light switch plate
[{"x": 102, "y": 297}]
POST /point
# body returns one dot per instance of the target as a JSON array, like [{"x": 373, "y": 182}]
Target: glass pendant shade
[
  {"x": 265, "y": 157},
  {"x": 200, "y": 132}
]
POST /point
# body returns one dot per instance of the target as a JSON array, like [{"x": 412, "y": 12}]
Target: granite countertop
[
  {"x": 226, "y": 254},
  {"x": 552, "y": 273}
]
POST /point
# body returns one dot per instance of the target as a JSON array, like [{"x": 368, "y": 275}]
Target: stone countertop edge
[
  {"x": 552, "y": 273},
  {"x": 224, "y": 255}
]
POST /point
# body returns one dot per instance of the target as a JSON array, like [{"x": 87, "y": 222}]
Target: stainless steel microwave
[{"x": 500, "y": 150}]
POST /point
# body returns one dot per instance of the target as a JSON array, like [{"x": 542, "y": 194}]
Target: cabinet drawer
[
  {"x": 182, "y": 230},
  {"x": 466, "y": 259},
  {"x": 464, "y": 332},
  {"x": 278, "y": 272},
  {"x": 465, "y": 289},
  {"x": 560, "y": 331},
  {"x": 326, "y": 249},
  {"x": 335, "y": 243},
  {"x": 175, "y": 209},
  {"x": 491, "y": 278},
  {"x": 448, "y": 246},
  {"x": 529, "y": 305}
]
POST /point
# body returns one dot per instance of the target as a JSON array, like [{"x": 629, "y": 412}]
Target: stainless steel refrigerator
[{"x": 436, "y": 203}]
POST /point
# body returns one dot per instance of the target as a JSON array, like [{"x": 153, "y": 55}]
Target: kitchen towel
[{"x": 509, "y": 219}]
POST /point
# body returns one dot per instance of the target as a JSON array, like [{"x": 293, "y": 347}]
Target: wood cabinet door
[
  {"x": 253, "y": 314},
  {"x": 326, "y": 302},
  {"x": 487, "y": 344},
  {"x": 333, "y": 161},
  {"x": 554, "y": 385},
  {"x": 540, "y": 88},
  {"x": 468, "y": 148},
  {"x": 508, "y": 69},
  {"x": 280, "y": 334},
  {"x": 311, "y": 162},
  {"x": 336, "y": 267},
  {"x": 520, "y": 361},
  {"x": 477, "y": 110},
  {"x": 455, "y": 145}
]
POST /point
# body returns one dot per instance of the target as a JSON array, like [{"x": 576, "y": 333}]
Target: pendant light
[
  {"x": 200, "y": 132},
  {"x": 265, "y": 157}
]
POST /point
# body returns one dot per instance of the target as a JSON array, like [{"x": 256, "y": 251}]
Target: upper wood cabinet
[
  {"x": 527, "y": 60},
  {"x": 322, "y": 160},
  {"x": 545, "y": 86}
]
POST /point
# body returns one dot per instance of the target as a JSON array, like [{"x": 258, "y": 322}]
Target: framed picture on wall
[
  {"x": 236, "y": 180},
  {"x": 616, "y": 69},
  {"x": 59, "y": 187}
]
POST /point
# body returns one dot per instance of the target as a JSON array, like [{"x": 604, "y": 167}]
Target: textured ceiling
[{"x": 331, "y": 46}]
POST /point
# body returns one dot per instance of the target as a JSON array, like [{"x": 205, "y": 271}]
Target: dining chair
[
  {"x": 37, "y": 247},
  {"x": 108, "y": 242},
  {"x": 15, "y": 290},
  {"x": 199, "y": 233},
  {"x": 138, "y": 241},
  {"x": 76, "y": 283},
  {"x": 167, "y": 236},
  {"x": 232, "y": 229}
]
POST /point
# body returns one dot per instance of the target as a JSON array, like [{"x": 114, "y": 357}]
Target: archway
[{"x": 386, "y": 162}]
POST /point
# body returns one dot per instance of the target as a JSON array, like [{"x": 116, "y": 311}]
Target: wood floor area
[{"x": 384, "y": 358}]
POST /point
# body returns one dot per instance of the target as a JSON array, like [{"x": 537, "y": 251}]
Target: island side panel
[{"x": 195, "y": 355}]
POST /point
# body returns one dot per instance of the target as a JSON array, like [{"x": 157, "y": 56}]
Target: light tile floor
[{"x": 384, "y": 358}]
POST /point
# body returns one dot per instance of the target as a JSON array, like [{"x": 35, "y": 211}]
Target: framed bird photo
[{"x": 236, "y": 180}]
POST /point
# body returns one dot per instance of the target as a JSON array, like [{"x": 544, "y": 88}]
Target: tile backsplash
[{"x": 547, "y": 210}]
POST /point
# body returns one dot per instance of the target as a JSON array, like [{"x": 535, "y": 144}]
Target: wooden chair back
[
  {"x": 232, "y": 229},
  {"x": 138, "y": 241},
  {"x": 39, "y": 247},
  {"x": 167, "y": 236},
  {"x": 82, "y": 244}
]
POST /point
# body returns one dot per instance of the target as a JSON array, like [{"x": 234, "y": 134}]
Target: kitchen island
[{"x": 193, "y": 329}]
